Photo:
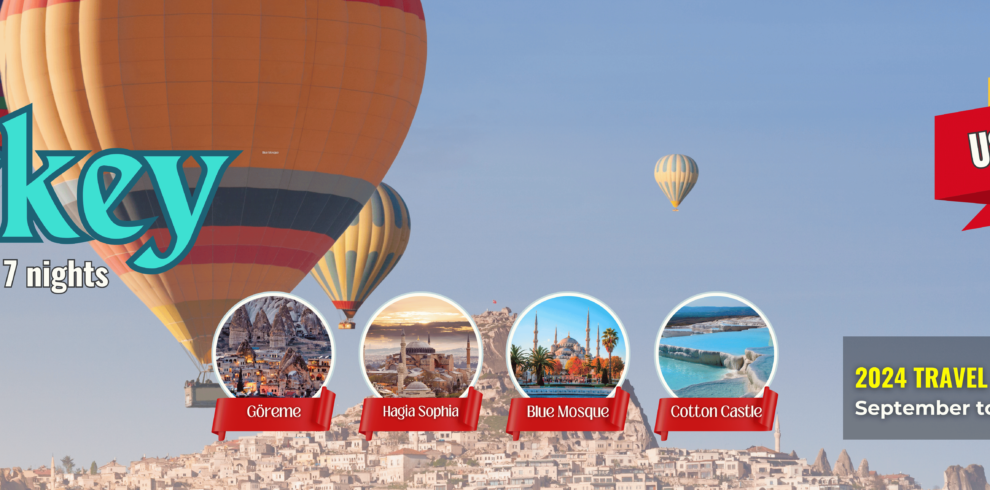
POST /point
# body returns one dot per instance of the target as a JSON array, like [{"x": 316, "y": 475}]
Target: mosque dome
[
  {"x": 417, "y": 347},
  {"x": 569, "y": 341},
  {"x": 416, "y": 386}
]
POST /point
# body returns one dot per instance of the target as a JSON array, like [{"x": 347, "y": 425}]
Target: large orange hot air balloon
[{"x": 318, "y": 96}]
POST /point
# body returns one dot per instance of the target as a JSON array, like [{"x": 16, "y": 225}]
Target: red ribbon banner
[
  {"x": 716, "y": 414},
  {"x": 962, "y": 160},
  {"x": 253, "y": 414},
  {"x": 420, "y": 414},
  {"x": 567, "y": 414}
]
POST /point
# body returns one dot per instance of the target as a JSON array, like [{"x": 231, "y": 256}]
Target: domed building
[
  {"x": 417, "y": 389},
  {"x": 570, "y": 347},
  {"x": 417, "y": 347},
  {"x": 417, "y": 357},
  {"x": 567, "y": 348}
]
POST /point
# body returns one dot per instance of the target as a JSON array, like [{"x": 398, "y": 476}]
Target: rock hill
[
  {"x": 821, "y": 465},
  {"x": 495, "y": 326},
  {"x": 14, "y": 479},
  {"x": 971, "y": 477},
  {"x": 843, "y": 465}
]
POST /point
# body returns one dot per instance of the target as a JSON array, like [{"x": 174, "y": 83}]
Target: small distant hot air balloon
[
  {"x": 494, "y": 302},
  {"x": 365, "y": 253},
  {"x": 676, "y": 176}
]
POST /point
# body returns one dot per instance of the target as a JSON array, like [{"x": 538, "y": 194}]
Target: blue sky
[
  {"x": 528, "y": 170},
  {"x": 569, "y": 314}
]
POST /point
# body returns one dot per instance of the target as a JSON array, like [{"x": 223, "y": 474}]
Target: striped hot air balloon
[
  {"x": 318, "y": 96},
  {"x": 365, "y": 253},
  {"x": 676, "y": 176}
]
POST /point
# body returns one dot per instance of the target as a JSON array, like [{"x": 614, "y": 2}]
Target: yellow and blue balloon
[
  {"x": 367, "y": 251},
  {"x": 676, "y": 176}
]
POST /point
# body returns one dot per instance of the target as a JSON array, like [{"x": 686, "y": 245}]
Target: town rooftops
[
  {"x": 895, "y": 476},
  {"x": 760, "y": 449},
  {"x": 406, "y": 452}
]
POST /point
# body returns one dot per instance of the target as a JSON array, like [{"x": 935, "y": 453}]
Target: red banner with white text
[
  {"x": 420, "y": 414},
  {"x": 254, "y": 414},
  {"x": 962, "y": 160},
  {"x": 568, "y": 414},
  {"x": 716, "y": 414}
]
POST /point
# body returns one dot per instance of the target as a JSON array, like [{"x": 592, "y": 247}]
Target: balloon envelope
[
  {"x": 318, "y": 96},
  {"x": 366, "y": 253},
  {"x": 676, "y": 176}
]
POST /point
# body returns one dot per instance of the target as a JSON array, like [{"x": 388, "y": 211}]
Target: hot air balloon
[
  {"x": 365, "y": 253},
  {"x": 318, "y": 96},
  {"x": 676, "y": 176}
]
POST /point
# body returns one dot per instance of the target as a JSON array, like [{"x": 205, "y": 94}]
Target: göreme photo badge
[
  {"x": 567, "y": 386},
  {"x": 422, "y": 355},
  {"x": 717, "y": 354},
  {"x": 273, "y": 356}
]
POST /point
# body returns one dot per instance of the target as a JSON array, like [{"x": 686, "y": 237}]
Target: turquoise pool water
[
  {"x": 680, "y": 374},
  {"x": 734, "y": 343}
]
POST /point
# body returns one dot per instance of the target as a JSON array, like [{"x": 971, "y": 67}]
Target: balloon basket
[{"x": 345, "y": 325}]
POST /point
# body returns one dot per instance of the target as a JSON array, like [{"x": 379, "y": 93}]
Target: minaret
[
  {"x": 776, "y": 435},
  {"x": 427, "y": 338},
  {"x": 536, "y": 325},
  {"x": 587, "y": 336},
  {"x": 469, "y": 353},
  {"x": 554, "y": 335},
  {"x": 52, "y": 474},
  {"x": 598, "y": 342},
  {"x": 402, "y": 364}
]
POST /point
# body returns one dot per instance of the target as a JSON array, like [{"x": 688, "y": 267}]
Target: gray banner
[{"x": 914, "y": 402}]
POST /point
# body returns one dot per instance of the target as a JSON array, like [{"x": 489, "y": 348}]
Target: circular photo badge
[
  {"x": 547, "y": 359},
  {"x": 716, "y": 345},
  {"x": 273, "y": 345},
  {"x": 421, "y": 345}
]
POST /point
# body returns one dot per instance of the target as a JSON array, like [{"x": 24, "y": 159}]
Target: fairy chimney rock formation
[
  {"x": 843, "y": 465},
  {"x": 971, "y": 477},
  {"x": 13, "y": 479},
  {"x": 821, "y": 465},
  {"x": 864, "y": 469},
  {"x": 260, "y": 327},
  {"x": 240, "y": 327},
  {"x": 244, "y": 350}
]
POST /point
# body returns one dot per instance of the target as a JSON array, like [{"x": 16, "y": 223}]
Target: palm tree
[
  {"x": 610, "y": 338},
  {"x": 517, "y": 357},
  {"x": 68, "y": 464},
  {"x": 539, "y": 362}
]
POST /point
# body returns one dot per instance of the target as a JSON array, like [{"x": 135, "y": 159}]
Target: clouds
[{"x": 419, "y": 309}]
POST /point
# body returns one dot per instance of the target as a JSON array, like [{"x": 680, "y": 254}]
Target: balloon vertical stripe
[{"x": 676, "y": 176}]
